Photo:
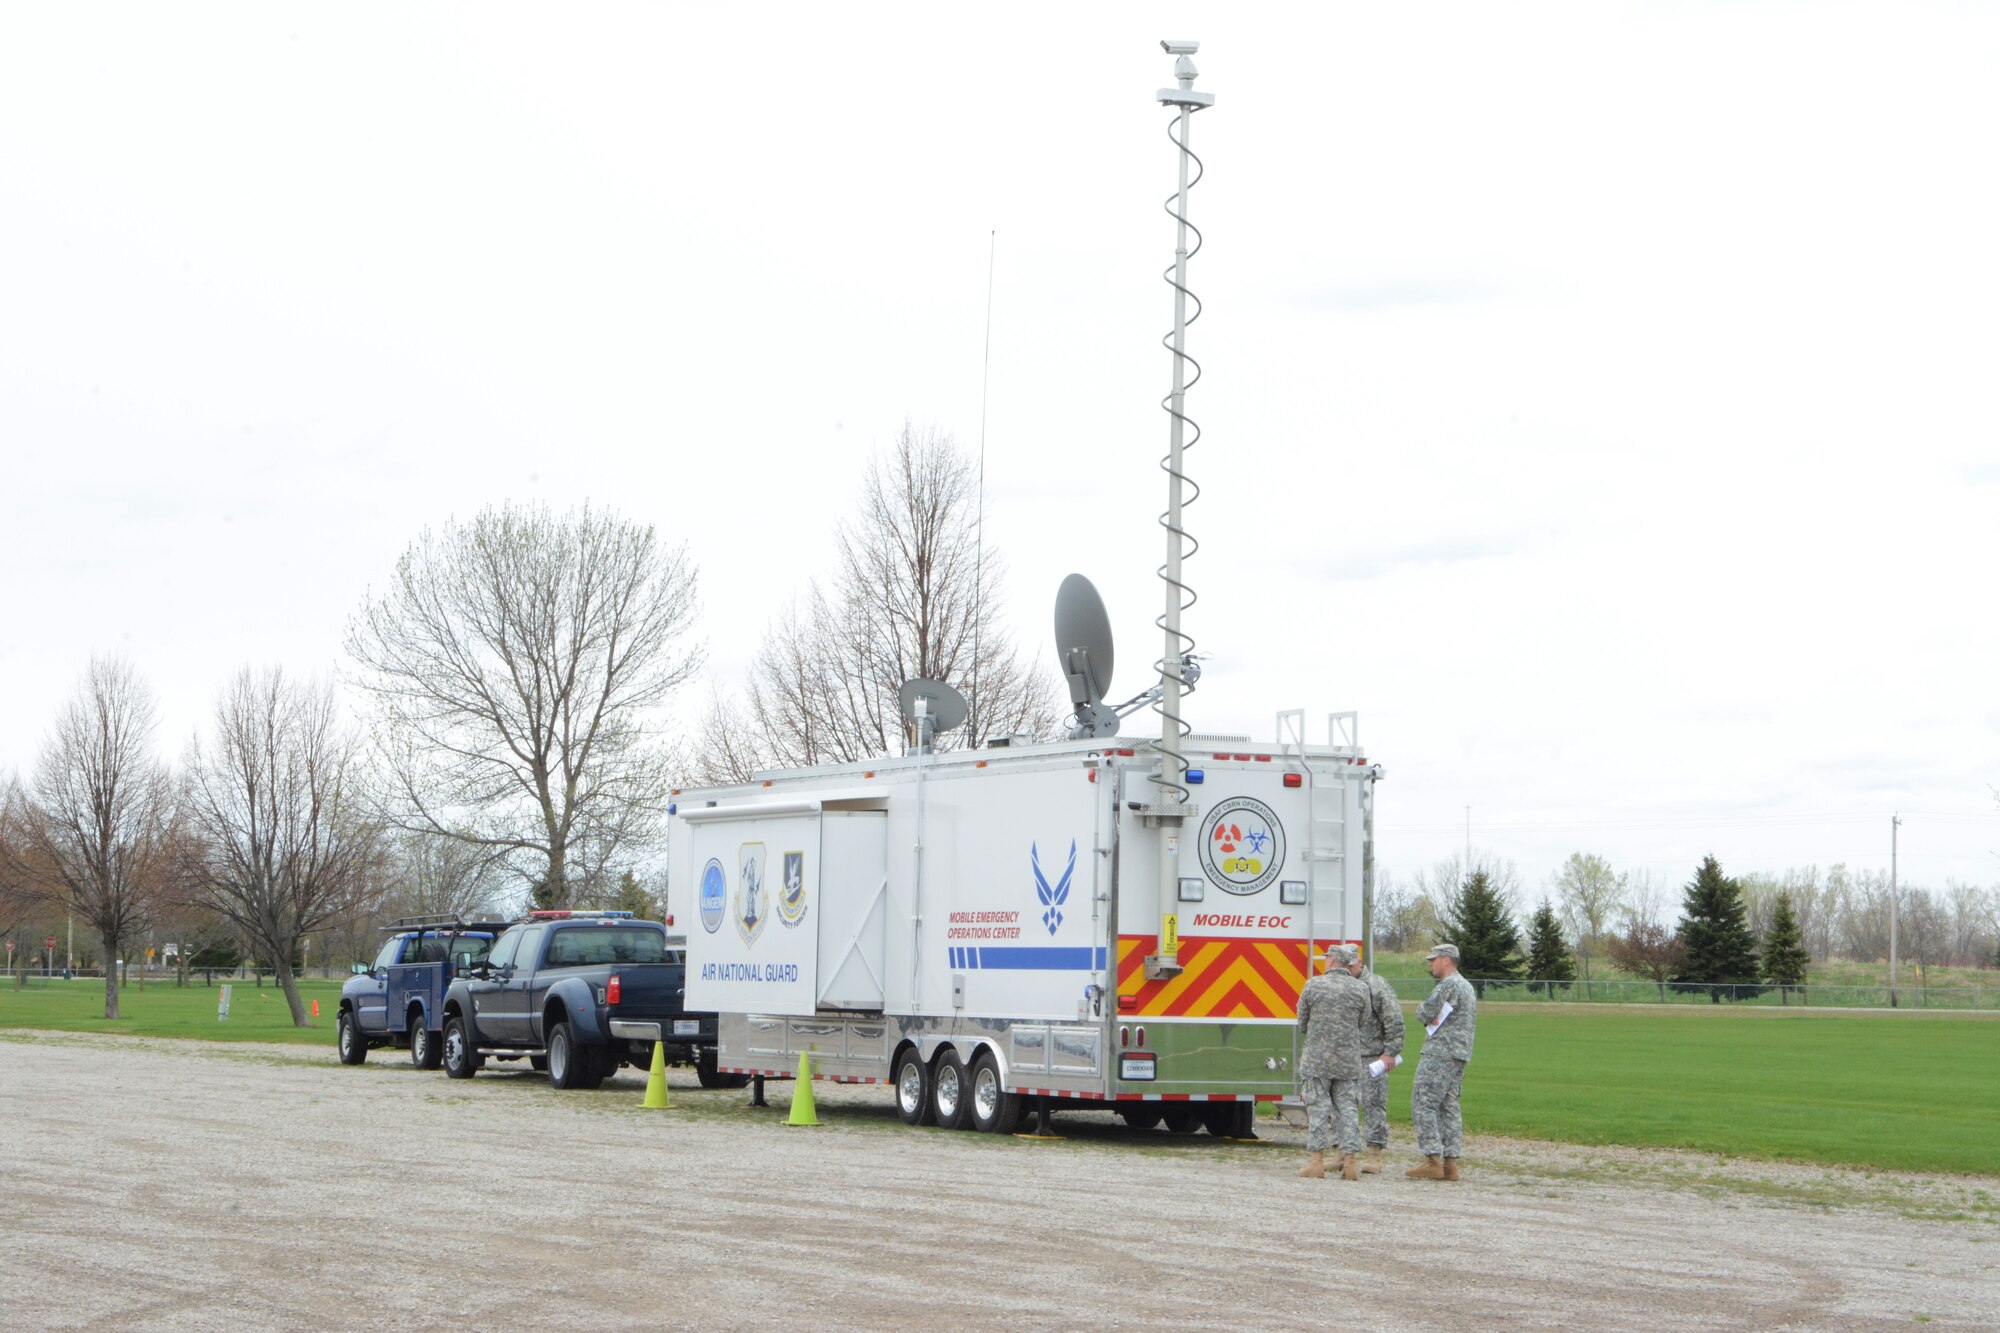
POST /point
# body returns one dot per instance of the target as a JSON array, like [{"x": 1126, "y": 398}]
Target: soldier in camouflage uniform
[
  {"x": 1434, "y": 1096},
  {"x": 1332, "y": 1009},
  {"x": 1381, "y": 1039}
]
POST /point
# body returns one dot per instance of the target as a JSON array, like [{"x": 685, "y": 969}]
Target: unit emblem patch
[
  {"x": 1242, "y": 845},
  {"x": 753, "y": 900},
  {"x": 714, "y": 895},
  {"x": 792, "y": 897}
]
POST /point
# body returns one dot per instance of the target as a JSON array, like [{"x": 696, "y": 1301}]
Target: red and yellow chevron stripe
[{"x": 1220, "y": 978}]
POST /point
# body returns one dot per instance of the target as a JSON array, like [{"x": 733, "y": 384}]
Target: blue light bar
[{"x": 1194, "y": 775}]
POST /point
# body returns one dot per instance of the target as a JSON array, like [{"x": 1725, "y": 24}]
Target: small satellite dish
[
  {"x": 1083, "y": 641},
  {"x": 944, "y": 707}
]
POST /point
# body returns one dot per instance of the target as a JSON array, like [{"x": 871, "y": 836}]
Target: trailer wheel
[
  {"x": 1229, "y": 1120},
  {"x": 460, "y": 1059},
  {"x": 353, "y": 1046},
  {"x": 994, "y": 1109},
  {"x": 1142, "y": 1117},
  {"x": 425, "y": 1051},
  {"x": 1180, "y": 1118},
  {"x": 951, "y": 1091},
  {"x": 913, "y": 1088}
]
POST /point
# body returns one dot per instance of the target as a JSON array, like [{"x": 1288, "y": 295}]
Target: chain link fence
[{"x": 1679, "y": 992}]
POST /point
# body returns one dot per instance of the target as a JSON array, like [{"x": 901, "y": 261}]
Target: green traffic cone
[
  {"x": 802, "y": 1094},
  {"x": 656, "y": 1079}
]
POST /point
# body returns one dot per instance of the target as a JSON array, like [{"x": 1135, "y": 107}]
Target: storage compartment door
[
  {"x": 853, "y": 908},
  {"x": 756, "y": 891}
]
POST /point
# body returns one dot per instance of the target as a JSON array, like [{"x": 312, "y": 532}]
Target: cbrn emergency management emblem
[
  {"x": 714, "y": 895},
  {"x": 753, "y": 900},
  {"x": 1242, "y": 845}
]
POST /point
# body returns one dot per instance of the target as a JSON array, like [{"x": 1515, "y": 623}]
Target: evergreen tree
[
  {"x": 1489, "y": 944},
  {"x": 1549, "y": 958},
  {"x": 1785, "y": 957},
  {"x": 1721, "y": 951}
]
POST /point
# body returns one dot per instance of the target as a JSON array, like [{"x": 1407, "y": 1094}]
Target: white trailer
[{"x": 991, "y": 931}]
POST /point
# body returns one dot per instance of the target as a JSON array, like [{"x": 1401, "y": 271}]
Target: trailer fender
[{"x": 966, "y": 1048}]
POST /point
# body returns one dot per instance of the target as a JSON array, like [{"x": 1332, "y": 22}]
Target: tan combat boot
[
  {"x": 1315, "y": 1167},
  {"x": 1450, "y": 1168},
  {"x": 1347, "y": 1167},
  {"x": 1432, "y": 1169},
  {"x": 1371, "y": 1162}
]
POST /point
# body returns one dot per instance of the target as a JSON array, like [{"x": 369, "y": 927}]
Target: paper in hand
[
  {"x": 1377, "y": 1068},
  {"x": 1444, "y": 1013}
]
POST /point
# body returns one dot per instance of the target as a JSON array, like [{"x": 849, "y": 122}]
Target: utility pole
[
  {"x": 1468, "y": 842},
  {"x": 1895, "y": 822}
]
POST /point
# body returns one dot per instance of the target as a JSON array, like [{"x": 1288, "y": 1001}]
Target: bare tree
[
  {"x": 90, "y": 832},
  {"x": 1591, "y": 895},
  {"x": 280, "y": 840},
  {"x": 913, "y": 595},
  {"x": 514, "y": 663},
  {"x": 434, "y": 876}
]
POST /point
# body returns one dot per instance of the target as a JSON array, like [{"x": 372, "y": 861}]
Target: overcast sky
[{"x": 1599, "y": 397}]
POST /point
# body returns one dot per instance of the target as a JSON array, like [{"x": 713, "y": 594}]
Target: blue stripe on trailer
[{"x": 1033, "y": 958}]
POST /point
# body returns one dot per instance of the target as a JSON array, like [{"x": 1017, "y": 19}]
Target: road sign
[
  {"x": 50, "y": 941},
  {"x": 10, "y": 946}
]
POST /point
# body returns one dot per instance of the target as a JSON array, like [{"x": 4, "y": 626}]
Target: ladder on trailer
[{"x": 1325, "y": 833}]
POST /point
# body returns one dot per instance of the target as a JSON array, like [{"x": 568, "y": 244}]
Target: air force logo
[
  {"x": 753, "y": 900},
  {"x": 1053, "y": 897}
]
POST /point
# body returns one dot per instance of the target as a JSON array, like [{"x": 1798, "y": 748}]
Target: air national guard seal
[{"x": 714, "y": 895}]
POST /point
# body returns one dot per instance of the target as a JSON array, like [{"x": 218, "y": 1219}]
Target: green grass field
[
  {"x": 1895, "y": 1091},
  {"x": 161, "y": 1010}
]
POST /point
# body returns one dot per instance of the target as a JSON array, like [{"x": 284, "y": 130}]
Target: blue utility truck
[
  {"x": 578, "y": 994},
  {"x": 398, "y": 1000}
]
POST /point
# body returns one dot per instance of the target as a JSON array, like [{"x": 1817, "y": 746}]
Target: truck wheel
[
  {"x": 994, "y": 1109},
  {"x": 951, "y": 1092},
  {"x": 1180, "y": 1118},
  {"x": 461, "y": 1060},
  {"x": 913, "y": 1088},
  {"x": 572, "y": 1068},
  {"x": 1142, "y": 1117},
  {"x": 353, "y": 1046},
  {"x": 711, "y": 1077},
  {"x": 426, "y": 1051}
]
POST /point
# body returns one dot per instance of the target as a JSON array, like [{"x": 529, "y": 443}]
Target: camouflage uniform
[
  {"x": 1332, "y": 1009},
  {"x": 1434, "y": 1094},
  {"x": 1381, "y": 1035}
]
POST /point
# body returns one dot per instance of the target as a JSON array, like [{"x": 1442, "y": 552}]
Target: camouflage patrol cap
[
  {"x": 1342, "y": 955},
  {"x": 1442, "y": 951}
]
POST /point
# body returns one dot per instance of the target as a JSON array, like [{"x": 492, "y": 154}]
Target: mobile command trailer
[{"x": 986, "y": 930}]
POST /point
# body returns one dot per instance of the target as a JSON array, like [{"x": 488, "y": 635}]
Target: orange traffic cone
[{"x": 315, "y": 1008}]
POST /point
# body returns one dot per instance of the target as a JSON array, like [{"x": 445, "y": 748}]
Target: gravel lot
[{"x": 184, "y": 1185}]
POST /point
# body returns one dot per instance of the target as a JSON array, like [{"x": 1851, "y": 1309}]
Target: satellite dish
[
  {"x": 944, "y": 708},
  {"x": 1083, "y": 641}
]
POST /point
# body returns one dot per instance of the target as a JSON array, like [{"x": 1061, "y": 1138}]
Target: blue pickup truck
[
  {"x": 578, "y": 994},
  {"x": 398, "y": 1000}
]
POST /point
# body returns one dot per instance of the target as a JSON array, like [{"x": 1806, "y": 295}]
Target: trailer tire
[
  {"x": 1229, "y": 1120},
  {"x": 426, "y": 1051},
  {"x": 1142, "y": 1118},
  {"x": 913, "y": 1088},
  {"x": 1180, "y": 1118},
  {"x": 353, "y": 1046},
  {"x": 951, "y": 1091},
  {"x": 994, "y": 1110},
  {"x": 461, "y": 1059}
]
